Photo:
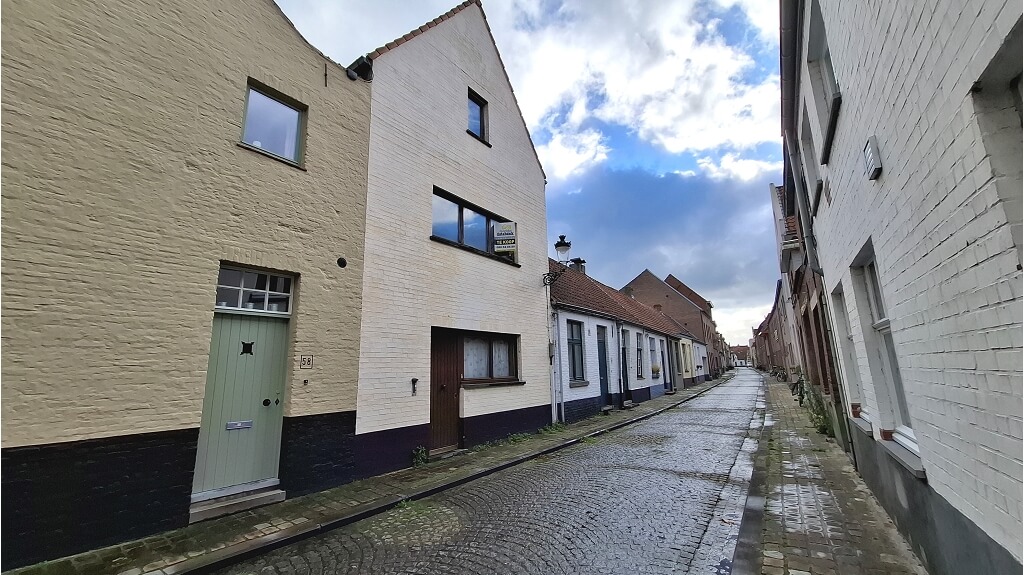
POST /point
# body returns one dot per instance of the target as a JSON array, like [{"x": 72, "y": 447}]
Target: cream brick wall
[
  {"x": 123, "y": 189},
  {"x": 418, "y": 141},
  {"x": 943, "y": 236},
  {"x": 591, "y": 368}
]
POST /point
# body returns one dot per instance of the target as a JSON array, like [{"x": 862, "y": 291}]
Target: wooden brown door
[{"x": 445, "y": 370}]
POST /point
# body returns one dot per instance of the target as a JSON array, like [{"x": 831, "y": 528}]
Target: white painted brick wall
[
  {"x": 591, "y": 367},
  {"x": 123, "y": 189},
  {"x": 418, "y": 140},
  {"x": 942, "y": 238}
]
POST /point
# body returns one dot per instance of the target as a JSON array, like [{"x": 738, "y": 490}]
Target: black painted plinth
[{"x": 64, "y": 498}]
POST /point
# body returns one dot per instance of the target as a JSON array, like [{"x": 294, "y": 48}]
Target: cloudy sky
[{"x": 657, "y": 123}]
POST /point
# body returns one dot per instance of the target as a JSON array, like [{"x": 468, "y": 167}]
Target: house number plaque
[{"x": 305, "y": 362}]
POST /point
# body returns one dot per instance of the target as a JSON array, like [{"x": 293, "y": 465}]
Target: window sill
[
  {"x": 484, "y": 384},
  {"x": 578, "y": 383},
  {"x": 904, "y": 457},
  {"x": 830, "y": 131},
  {"x": 473, "y": 250},
  {"x": 263, "y": 152},
  {"x": 478, "y": 138},
  {"x": 862, "y": 425}
]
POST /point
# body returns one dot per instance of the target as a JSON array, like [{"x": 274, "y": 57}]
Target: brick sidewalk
[
  {"x": 819, "y": 516},
  {"x": 224, "y": 539}
]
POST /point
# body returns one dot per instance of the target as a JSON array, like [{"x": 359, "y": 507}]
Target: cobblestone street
[{"x": 661, "y": 496}]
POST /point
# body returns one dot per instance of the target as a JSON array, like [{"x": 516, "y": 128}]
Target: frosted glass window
[
  {"x": 476, "y": 356},
  {"x": 500, "y": 357}
]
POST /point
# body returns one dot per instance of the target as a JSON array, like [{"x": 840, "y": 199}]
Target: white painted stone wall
[
  {"x": 700, "y": 353},
  {"x": 942, "y": 224},
  {"x": 418, "y": 140},
  {"x": 591, "y": 366}
]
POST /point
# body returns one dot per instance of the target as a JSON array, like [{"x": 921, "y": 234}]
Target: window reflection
[{"x": 272, "y": 126}]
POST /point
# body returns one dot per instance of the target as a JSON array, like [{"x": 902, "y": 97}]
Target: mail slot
[{"x": 238, "y": 425}]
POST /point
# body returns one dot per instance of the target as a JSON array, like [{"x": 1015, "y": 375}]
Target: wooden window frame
[
  {"x": 577, "y": 345},
  {"x": 513, "y": 358}
]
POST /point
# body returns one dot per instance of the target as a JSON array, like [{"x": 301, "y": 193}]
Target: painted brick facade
[
  {"x": 932, "y": 82},
  {"x": 419, "y": 141},
  {"x": 124, "y": 189}
]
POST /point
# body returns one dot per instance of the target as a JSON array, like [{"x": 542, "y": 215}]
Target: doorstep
[{"x": 221, "y": 541}]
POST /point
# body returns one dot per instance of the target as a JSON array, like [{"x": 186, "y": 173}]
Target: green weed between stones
[
  {"x": 420, "y": 456},
  {"x": 556, "y": 427}
]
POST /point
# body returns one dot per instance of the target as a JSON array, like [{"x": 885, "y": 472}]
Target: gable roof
[
  {"x": 380, "y": 51},
  {"x": 575, "y": 289},
  {"x": 688, "y": 293},
  {"x": 648, "y": 276}
]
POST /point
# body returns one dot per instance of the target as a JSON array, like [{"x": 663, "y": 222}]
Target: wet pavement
[
  {"x": 661, "y": 496},
  {"x": 819, "y": 517}
]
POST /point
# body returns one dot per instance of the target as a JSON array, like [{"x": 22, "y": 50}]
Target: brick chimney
[
  {"x": 578, "y": 264},
  {"x": 657, "y": 307},
  {"x": 628, "y": 290}
]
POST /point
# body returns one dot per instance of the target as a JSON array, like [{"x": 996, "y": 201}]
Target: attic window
[{"x": 477, "y": 116}]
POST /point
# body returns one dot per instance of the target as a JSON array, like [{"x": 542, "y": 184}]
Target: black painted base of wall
[
  {"x": 641, "y": 395},
  {"x": 317, "y": 452},
  {"x": 65, "y": 498},
  {"x": 483, "y": 428},
  {"x": 580, "y": 409},
  {"x": 389, "y": 450},
  {"x": 946, "y": 541}
]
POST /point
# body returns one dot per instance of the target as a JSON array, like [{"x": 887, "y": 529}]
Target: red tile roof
[
  {"x": 577, "y": 289},
  {"x": 791, "y": 228}
]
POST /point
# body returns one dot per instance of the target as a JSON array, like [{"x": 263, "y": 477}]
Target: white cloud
[
  {"x": 735, "y": 322},
  {"x": 569, "y": 154},
  {"x": 763, "y": 15},
  {"x": 733, "y": 167}
]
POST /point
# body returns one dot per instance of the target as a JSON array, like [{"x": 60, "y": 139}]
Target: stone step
[{"x": 233, "y": 503}]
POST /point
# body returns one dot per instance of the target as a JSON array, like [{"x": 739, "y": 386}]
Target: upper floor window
[
  {"x": 824, "y": 83},
  {"x": 477, "y": 116},
  {"x": 461, "y": 223},
  {"x": 255, "y": 291},
  {"x": 575, "y": 341},
  {"x": 274, "y": 123}
]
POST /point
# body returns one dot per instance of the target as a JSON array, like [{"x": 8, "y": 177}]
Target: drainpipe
[
  {"x": 801, "y": 202},
  {"x": 559, "y": 400}
]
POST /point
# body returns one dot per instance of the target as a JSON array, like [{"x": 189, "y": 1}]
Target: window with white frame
[
  {"x": 884, "y": 351},
  {"x": 255, "y": 291},
  {"x": 574, "y": 338}
]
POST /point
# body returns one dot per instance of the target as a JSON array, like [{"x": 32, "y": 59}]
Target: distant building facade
[{"x": 902, "y": 129}]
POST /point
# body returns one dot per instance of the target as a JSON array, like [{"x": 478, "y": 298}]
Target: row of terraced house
[
  {"x": 235, "y": 271},
  {"x": 898, "y": 226}
]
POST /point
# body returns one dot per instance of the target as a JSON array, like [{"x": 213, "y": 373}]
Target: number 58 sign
[{"x": 305, "y": 362}]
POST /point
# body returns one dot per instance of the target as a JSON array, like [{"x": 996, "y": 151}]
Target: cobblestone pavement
[
  {"x": 820, "y": 518},
  {"x": 661, "y": 496}
]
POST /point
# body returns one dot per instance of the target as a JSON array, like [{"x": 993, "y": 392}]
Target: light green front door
[{"x": 240, "y": 434}]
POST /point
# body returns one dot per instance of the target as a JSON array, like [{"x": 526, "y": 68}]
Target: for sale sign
[{"x": 505, "y": 238}]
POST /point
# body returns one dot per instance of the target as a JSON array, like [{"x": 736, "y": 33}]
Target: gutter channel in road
[{"x": 745, "y": 559}]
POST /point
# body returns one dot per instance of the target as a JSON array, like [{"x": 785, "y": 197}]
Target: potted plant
[{"x": 655, "y": 371}]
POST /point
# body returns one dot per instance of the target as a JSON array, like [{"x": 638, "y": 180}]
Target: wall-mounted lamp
[{"x": 562, "y": 247}]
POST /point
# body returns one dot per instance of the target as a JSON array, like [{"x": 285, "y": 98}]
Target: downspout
[{"x": 559, "y": 398}]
